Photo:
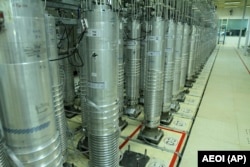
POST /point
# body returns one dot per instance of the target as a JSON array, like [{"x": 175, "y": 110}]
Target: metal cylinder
[
  {"x": 185, "y": 54},
  {"x": 198, "y": 50},
  {"x": 169, "y": 64},
  {"x": 143, "y": 51},
  {"x": 132, "y": 62},
  {"x": 57, "y": 88},
  {"x": 29, "y": 125},
  {"x": 154, "y": 76},
  {"x": 83, "y": 81},
  {"x": 120, "y": 87},
  {"x": 102, "y": 97},
  {"x": 178, "y": 55},
  {"x": 191, "y": 54}
]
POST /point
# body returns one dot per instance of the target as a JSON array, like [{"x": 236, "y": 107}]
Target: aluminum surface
[
  {"x": 155, "y": 60},
  {"x": 29, "y": 125},
  {"x": 102, "y": 96}
]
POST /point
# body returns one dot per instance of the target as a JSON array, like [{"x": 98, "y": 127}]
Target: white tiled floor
[{"x": 223, "y": 119}]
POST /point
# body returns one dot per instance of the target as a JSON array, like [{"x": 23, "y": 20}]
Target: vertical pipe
[{"x": 29, "y": 125}]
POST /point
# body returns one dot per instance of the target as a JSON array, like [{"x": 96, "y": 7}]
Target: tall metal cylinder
[
  {"x": 192, "y": 54},
  {"x": 154, "y": 76},
  {"x": 143, "y": 51},
  {"x": 56, "y": 81},
  {"x": 185, "y": 54},
  {"x": 120, "y": 69},
  {"x": 102, "y": 97},
  {"x": 177, "y": 62},
  {"x": 169, "y": 64},
  {"x": 29, "y": 125},
  {"x": 132, "y": 63}
]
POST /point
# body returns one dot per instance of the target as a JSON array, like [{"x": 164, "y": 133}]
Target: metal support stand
[
  {"x": 83, "y": 146},
  {"x": 175, "y": 106},
  {"x": 166, "y": 118},
  {"x": 122, "y": 123},
  {"x": 151, "y": 135},
  {"x": 133, "y": 111},
  {"x": 134, "y": 159},
  {"x": 181, "y": 97}
]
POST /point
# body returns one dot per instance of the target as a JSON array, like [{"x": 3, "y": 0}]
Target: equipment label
[{"x": 223, "y": 158}]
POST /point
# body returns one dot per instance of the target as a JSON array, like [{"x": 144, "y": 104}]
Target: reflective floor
[{"x": 223, "y": 119}]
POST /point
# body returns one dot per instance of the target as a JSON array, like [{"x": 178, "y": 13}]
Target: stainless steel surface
[
  {"x": 57, "y": 84},
  {"x": 102, "y": 96},
  {"x": 169, "y": 64},
  {"x": 185, "y": 54},
  {"x": 178, "y": 55},
  {"x": 145, "y": 29},
  {"x": 27, "y": 115},
  {"x": 155, "y": 60},
  {"x": 192, "y": 53},
  {"x": 132, "y": 62},
  {"x": 120, "y": 57}
]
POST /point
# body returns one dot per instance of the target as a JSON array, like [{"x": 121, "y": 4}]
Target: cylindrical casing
[
  {"x": 143, "y": 51},
  {"x": 178, "y": 55},
  {"x": 29, "y": 125},
  {"x": 120, "y": 87},
  {"x": 185, "y": 53},
  {"x": 132, "y": 62},
  {"x": 84, "y": 82},
  {"x": 56, "y": 81},
  {"x": 169, "y": 64},
  {"x": 155, "y": 59},
  {"x": 102, "y": 97},
  {"x": 191, "y": 53}
]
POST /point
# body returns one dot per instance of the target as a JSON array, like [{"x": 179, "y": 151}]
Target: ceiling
[{"x": 230, "y": 3}]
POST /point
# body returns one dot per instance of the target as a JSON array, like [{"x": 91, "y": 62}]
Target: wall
[{"x": 223, "y": 13}]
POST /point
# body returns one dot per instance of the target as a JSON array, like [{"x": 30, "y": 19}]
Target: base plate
[
  {"x": 166, "y": 118},
  {"x": 151, "y": 135},
  {"x": 132, "y": 159},
  {"x": 133, "y": 111},
  {"x": 122, "y": 123}
]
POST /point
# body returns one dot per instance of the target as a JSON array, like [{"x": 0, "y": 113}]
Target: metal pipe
[{"x": 29, "y": 125}]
